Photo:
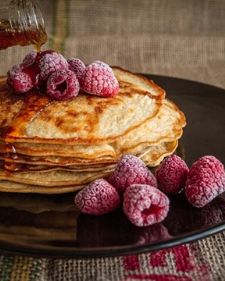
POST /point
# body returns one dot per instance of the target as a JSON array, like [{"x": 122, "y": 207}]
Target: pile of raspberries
[
  {"x": 144, "y": 196},
  {"x": 61, "y": 79}
]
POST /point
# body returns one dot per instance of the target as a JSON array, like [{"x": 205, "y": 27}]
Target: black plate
[{"x": 42, "y": 225}]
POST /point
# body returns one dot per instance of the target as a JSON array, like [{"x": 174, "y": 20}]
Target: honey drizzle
[
  {"x": 10, "y": 153},
  {"x": 10, "y": 37}
]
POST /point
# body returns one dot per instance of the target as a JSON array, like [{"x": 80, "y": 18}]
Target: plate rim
[{"x": 113, "y": 251}]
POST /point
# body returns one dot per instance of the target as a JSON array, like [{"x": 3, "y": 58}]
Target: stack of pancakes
[{"x": 48, "y": 146}]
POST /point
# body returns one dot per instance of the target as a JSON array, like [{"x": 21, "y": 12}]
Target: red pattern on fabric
[
  {"x": 131, "y": 263},
  {"x": 183, "y": 258},
  {"x": 181, "y": 254},
  {"x": 158, "y": 258},
  {"x": 187, "y": 267},
  {"x": 156, "y": 277}
]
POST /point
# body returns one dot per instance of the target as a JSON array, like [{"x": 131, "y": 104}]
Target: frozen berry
[
  {"x": 172, "y": 174},
  {"x": 41, "y": 54},
  {"x": 98, "y": 198},
  {"x": 29, "y": 59},
  {"x": 63, "y": 85},
  {"x": 51, "y": 62},
  {"x": 103, "y": 64},
  {"x": 145, "y": 205},
  {"x": 130, "y": 170},
  {"x": 98, "y": 79},
  {"x": 18, "y": 80},
  {"x": 205, "y": 181},
  {"x": 77, "y": 66}
]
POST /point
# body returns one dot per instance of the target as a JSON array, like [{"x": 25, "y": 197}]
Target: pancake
[
  {"x": 80, "y": 151},
  {"x": 10, "y": 186},
  {"x": 75, "y": 163},
  {"x": 21, "y": 168},
  {"x": 51, "y": 147},
  {"x": 10, "y": 104},
  {"x": 27, "y": 182},
  {"x": 85, "y": 119},
  {"x": 166, "y": 126},
  {"x": 57, "y": 160},
  {"x": 59, "y": 177},
  {"x": 153, "y": 157},
  {"x": 52, "y": 178},
  {"x": 155, "y": 152}
]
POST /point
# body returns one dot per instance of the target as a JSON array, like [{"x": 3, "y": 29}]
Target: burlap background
[{"x": 175, "y": 38}]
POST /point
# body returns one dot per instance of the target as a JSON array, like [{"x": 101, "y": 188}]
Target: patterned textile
[{"x": 175, "y": 38}]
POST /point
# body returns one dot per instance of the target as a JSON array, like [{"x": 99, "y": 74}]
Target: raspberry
[
  {"x": 18, "y": 80},
  {"x": 41, "y": 54},
  {"x": 130, "y": 170},
  {"x": 172, "y": 174},
  {"x": 63, "y": 85},
  {"x": 29, "y": 59},
  {"x": 102, "y": 64},
  {"x": 77, "y": 66},
  {"x": 50, "y": 62},
  {"x": 98, "y": 198},
  {"x": 98, "y": 79},
  {"x": 205, "y": 181},
  {"x": 145, "y": 205}
]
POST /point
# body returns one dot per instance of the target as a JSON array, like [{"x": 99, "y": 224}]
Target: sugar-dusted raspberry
[
  {"x": 18, "y": 80},
  {"x": 29, "y": 59},
  {"x": 63, "y": 85},
  {"x": 205, "y": 181},
  {"x": 172, "y": 174},
  {"x": 77, "y": 66},
  {"x": 97, "y": 198},
  {"x": 145, "y": 205},
  {"x": 129, "y": 170},
  {"x": 98, "y": 79},
  {"x": 50, "y": 62},
  {"x": 103, "y": 64}
]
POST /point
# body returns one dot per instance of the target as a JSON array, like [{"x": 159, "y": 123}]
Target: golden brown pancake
[
  {"x": 167, "y": 125},
  {"x": 47, "y": 146},
  {"x": 85, "y": 119}
]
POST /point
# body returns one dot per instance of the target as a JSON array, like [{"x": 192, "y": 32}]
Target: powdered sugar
[
  {"x": 145, "y": 205},
  {"x": 51, "y": 62},
  {"x": 18, "y": 80},
  {"x": 129, "y": 170},
  {"x": 205, "y": 181},
  {"x": 98, "y": 79},
  {"x": 63, "y": 85},
  {"x": 97, "y": 198},
  {"x": 171, "y": 174},
  {"x": 29, "y": 59},
  {"x": 77, "y": 66}
]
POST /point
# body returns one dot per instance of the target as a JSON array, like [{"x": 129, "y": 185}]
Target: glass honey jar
[{"x": 22, "y": 23}]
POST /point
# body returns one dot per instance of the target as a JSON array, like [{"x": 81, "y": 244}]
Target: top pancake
[
  {"x": 166, "y": 126},
  {"x": 85, "y": 119}
]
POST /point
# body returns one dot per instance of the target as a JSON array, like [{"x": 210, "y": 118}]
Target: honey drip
[
  {"x": 12, "y": 167},
  {"x": 10, "y": 153},
  {"x": 10, "y": 37}
]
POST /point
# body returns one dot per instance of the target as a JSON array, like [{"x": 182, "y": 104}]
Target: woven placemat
[
  {"x": 175, "y": 38},
  {"x": 200, "y": 261}
]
